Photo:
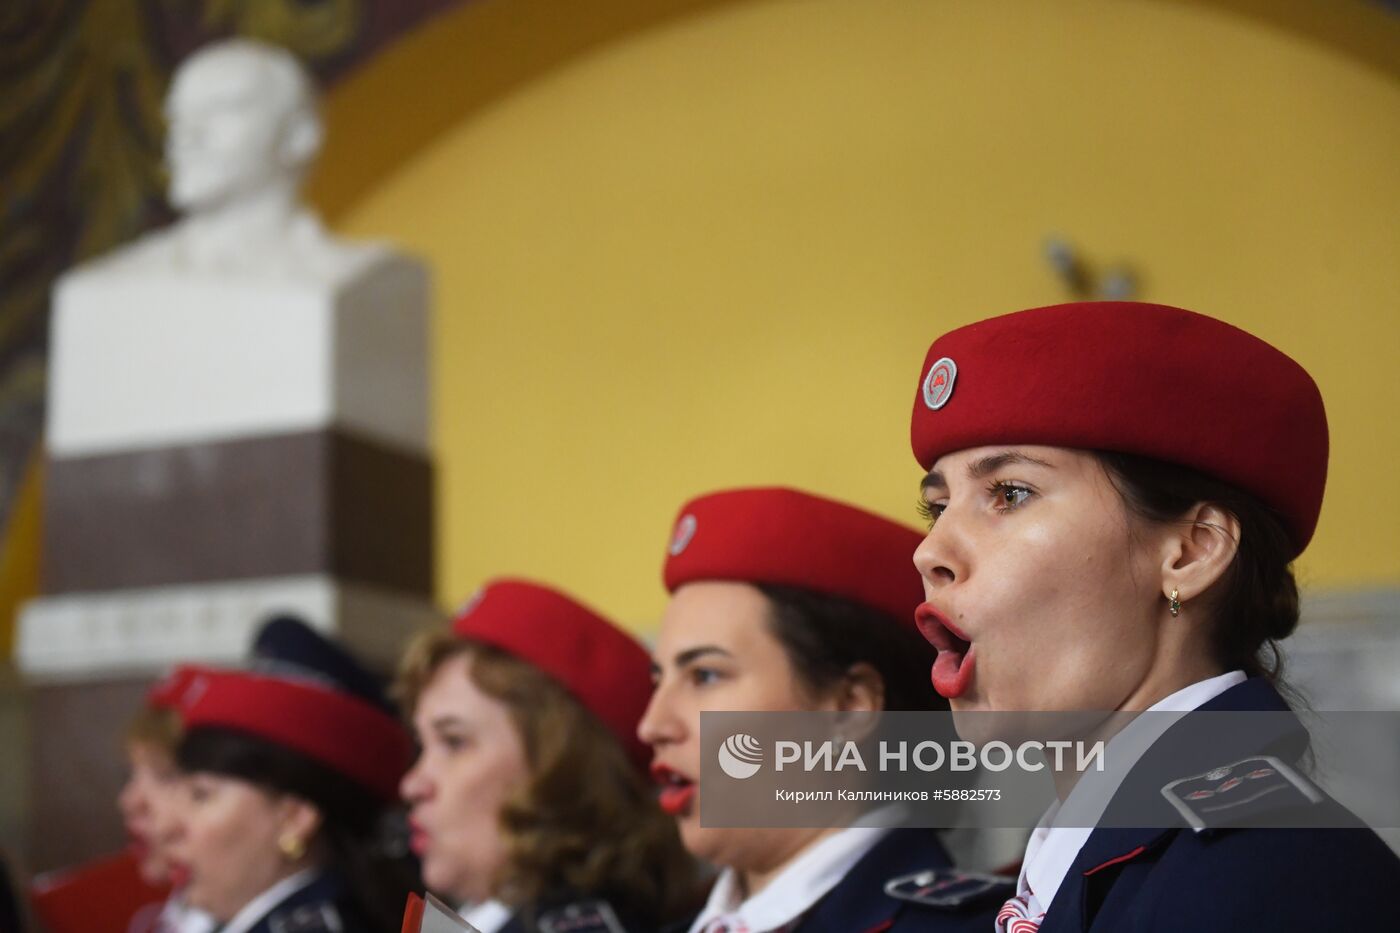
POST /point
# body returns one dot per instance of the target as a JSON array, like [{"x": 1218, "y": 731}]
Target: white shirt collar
[
  {"x": 262, "y": 905},
  {"x": 1052, "y": 849},
  {"x": 177, "y": 916},
  {"x": 487, "y": 916},
  {"x": 803, "y": 882}
]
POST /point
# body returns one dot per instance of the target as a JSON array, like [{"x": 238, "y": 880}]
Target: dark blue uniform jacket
[
  {"x": 1222, "y": 878},
  {"x": 906, "y": 882},
  {"x": 320, "y": 907}
]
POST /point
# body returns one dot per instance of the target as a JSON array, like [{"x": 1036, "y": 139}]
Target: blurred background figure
[
  {"x": 150, "y": 799},
  {"x": 137, "y": 891},
  {"x": 292, "y": 770},
  {"x": 786, "y": 601},
  {"x": 151, "y": 739},
  {"x": 530, "y": 805}
]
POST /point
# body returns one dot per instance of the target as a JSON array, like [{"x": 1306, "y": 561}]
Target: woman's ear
[
  {"x": 862, "y": 690},
  {"x": 300, "y": 819},
  {"x": 1199, "y": 552}
]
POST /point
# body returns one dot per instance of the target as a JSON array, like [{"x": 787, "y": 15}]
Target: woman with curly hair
[{"x": 529, "y": 801}]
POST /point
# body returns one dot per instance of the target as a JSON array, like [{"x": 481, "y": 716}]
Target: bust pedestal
[{"x": 221, "y": 446}]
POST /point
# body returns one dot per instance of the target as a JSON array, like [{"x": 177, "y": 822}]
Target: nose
[
  {"x": 129, "y": 799},
  {"x": 415, "y": 786},
  {"x": 939, "y": 557},
  {"x": 659, "y": 725}
]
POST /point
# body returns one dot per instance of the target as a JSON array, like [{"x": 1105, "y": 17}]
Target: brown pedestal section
[{"x": 316, "y": 502}]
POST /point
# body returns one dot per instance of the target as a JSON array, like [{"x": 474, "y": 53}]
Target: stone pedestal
[{"x": 221, "y": 447}]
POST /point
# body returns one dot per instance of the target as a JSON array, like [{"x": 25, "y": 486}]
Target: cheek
[
  {"x": 213, "y": 832},
  {"x": 1052, "y": 576},
  {"x": 131, "y": 800},
  {"x": 708, "y": 844},
  {"x": 479, "y": 791},
  {"x": 199, "y": 840}
]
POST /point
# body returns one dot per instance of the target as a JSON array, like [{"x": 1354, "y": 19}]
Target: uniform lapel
[
  {"x": 858, "y": 904},
  {"x": 1111, "y": 852}
]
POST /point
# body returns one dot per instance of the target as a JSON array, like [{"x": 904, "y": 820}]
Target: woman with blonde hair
[{"x": 529, "y": 802}]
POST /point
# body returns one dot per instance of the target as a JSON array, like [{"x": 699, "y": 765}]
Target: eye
[
  {"x": 703, "y": 676},
  {"x": 930, "y": 511},
  {"x": 453, "y": 743},
  {"x": 1008, "y": 496}
]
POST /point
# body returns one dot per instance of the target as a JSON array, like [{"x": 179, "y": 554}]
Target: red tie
[{"x": 1015, "y": 916}]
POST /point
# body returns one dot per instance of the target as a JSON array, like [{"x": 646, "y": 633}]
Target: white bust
[{"x": 243, "y": 130}]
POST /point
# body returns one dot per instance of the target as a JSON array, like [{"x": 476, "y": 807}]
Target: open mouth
[
  {"x": 137, "y": 844},
  {"x": 677, "y": 794},
  {"x": 417, "y": 838},
  {"x": 952, "y": 669}
]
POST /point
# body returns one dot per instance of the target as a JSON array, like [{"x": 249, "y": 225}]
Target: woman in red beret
[
  {"x": 530, "y": 804},
  {"x": 151, "y": 737},
  {"x": 148, "y": 798},
  {"x": 289, "y": 791},
  {"x": 138, "y": 889},
  {"x": 1115, "y": 492},
  {"x": 787, "y": 601}
]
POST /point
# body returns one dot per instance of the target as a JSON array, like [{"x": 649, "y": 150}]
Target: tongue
[
  {"x": 675, "y": 799},
  {"x": 952, "y": 672}
]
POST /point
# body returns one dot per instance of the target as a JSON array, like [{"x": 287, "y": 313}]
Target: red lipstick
[
  {"x": 417, "y": 838},
  {"x": 953, "y": 668},
  {"x": 677, "y": 794}
]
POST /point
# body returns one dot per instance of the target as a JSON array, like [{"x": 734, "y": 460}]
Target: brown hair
[
  {"x": 155, "y": 726},
  {"x": 1255, "y": 604},
  {"x": 824, "y": 635},
  {"x": 586, "y": 822}
]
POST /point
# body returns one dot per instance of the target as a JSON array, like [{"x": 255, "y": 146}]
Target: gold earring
[
  {"x": 1174, "y": 602},
  {"x": 292, "y": 846}
]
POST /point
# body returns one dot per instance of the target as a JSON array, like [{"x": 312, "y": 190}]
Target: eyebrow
[
  {"x": 690, "y": 655},
  {"x": 448, "y": 722},
  {"x": 984, "y": 466}
]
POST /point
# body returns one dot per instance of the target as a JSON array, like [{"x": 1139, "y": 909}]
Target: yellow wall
[{"x": 713, "y": 253}]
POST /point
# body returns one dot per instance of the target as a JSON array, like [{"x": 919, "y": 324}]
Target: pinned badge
[
  {"x": 1273, "y": 786},
  {"x": 195, "y": 689},
  {"x": 948, "y": 889},
  {"x": 938, "y": 384},
  {"x": 685, "y": 530},
  {"x": 582, "y": 917}
]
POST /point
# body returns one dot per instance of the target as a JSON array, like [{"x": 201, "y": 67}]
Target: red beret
[
  {"x": 790, "y": 538},
  {"x": 342, "y": 732},
  {"x": 603, "y": 667},
  {"x": 1134, "y": 378}
]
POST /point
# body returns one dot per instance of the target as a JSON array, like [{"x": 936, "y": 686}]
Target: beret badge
[
  {"x": 938, "y": 384},
  {"x": 685, "y": 530}
]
